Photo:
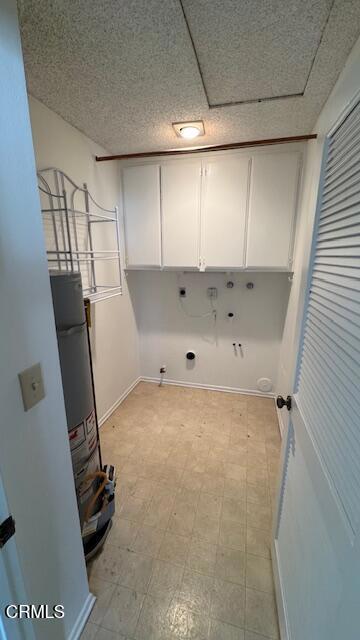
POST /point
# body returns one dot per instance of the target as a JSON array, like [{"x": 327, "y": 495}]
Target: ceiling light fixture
[{"x": 189, "y": 130}]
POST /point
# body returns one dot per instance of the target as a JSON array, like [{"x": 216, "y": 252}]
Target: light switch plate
[{"x": 32, "y": 386}]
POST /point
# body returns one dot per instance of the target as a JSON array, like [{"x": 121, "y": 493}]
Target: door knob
[{"x": 280, "y": 402}]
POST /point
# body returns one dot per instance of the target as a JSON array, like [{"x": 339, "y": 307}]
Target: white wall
[
  {"x": 166, "y": 332},
  {"x": 114, "y": 333},
  {"x": 35, "y": 462},
  {"x": 347, "y": 86}
]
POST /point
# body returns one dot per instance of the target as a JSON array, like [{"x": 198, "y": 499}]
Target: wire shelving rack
[{"x": 80, "y": 234}]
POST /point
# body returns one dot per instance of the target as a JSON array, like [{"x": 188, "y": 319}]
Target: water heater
[{"x": 95, "y": 496}]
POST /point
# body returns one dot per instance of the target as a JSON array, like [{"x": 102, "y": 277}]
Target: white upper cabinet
[
  {"x": 224, "y": 211},
  {"x": 272, "y": 208},
  {"x": 180, "y": 200},
  {"x": 141, "y": 186},
  {"x": 223, "y": 216}
]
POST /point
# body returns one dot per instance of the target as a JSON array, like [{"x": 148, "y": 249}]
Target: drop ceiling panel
[
  {"x": 255, "y": 50},
  {"x": 122, "y": 71}
]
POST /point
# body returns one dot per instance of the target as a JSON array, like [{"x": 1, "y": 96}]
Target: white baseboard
[
  {"x": 121, "y": 399},
  {"x": 279, "y": 591},
  {"x": 210, "y": 387},
  {"x": 181, "y": 383},
  {"x": 82, "y": 618}
]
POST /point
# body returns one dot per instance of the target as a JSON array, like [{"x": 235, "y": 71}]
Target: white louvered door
[{"x": 317, "y": 547}]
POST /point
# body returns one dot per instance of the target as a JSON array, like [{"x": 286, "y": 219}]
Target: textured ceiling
[
  {"x": 248, "y": 51},
  {"x": 122, "y": 71}
]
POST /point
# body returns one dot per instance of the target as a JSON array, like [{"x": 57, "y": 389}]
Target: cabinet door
[
  {"x": 272, "y": 206},
  {"x": 180, "y": 189},
  {"x": 141, "y": 186},
  {"x": 223, "y": 216}
]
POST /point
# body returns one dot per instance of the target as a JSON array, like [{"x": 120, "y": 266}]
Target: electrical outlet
[{"x": 163, "y": 369}]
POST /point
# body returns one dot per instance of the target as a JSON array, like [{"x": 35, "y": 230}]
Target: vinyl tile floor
[{"x": 188, "y": 555}]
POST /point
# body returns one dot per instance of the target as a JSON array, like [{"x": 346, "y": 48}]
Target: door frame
[
  {"x": 288, "y": 437},
  {"x": 12, "y": 588}
]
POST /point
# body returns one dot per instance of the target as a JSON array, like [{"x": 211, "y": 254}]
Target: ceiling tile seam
[
  {"x": 195, "y": 54},
  {"x": 286, "y": 96},
  {"x": 318, "y": 47},
  {"x": 222, "y": 105}
]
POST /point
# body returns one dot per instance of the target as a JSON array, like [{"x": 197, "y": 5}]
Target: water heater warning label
[
  {"x": 83, "y": 440},
  {"x": 90, "y": 422},
  {"x": 77, "y": 436},
  {"x": 78, "y": 444}
]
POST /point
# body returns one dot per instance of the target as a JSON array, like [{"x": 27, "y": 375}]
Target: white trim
[
  {"x": 247, "y": 211},
  {"x": 279, "y": 591},
  {"x": 211, "y": 269},
  {"x": 282, "y": 427},
  {"x": 297, "y": 204},
  {"x": 117, "y": 402},
  {"x": 210, "y": 387},
  {"x": 208, "y": 155},
  {"x": 144, "y": 267},
  {"x": 2, "y": 631},
  {"x": 82, "y": 618},
  {"x": 181, "y": 383}
]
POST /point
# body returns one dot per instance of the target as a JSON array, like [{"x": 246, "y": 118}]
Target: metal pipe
[
  {"x": 216, "y": 147},
  {"x": 74, "y": 224},
  {"x": 87, "y": 209},
  {"x": 75, "y": 185},
  {"x": 104, "y": 297},
  {"x": 102, "y": 286},
  {"x": 57, "y": 187},
  {"x": 88, "y": 214},
  {"x": 80, "y": 259},
  {"x": 63, "y": 209},
  {"x": 50, "y": 196},
  {"x": 47, "y": 191},
  {"x": 101, "y": 251},
  {"x": 67, "y": 221},
  {"x": 82, "y": 213},
  {"x": 118, "y": 244}
]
